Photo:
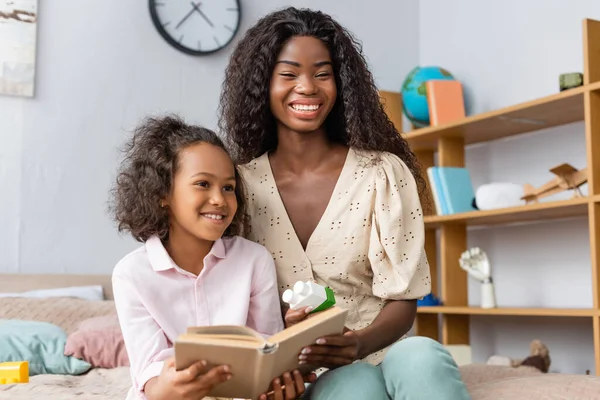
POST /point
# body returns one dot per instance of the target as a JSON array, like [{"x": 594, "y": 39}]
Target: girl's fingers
[
  {"x": 191, "y": 372},
  {"x": 215, "y": 376}
]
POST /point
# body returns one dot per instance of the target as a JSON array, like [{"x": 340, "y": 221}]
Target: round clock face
[{"x": 196, "y": 27}]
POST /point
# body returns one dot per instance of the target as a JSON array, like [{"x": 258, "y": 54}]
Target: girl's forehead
[{"x": 205, "y": 158}]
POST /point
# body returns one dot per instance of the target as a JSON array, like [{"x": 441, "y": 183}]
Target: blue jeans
[{"x": 413, "y": 369}]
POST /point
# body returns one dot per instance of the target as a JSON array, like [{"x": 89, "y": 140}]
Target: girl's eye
[
  {"x": 229, "y": 188},
  {"x": 322, "y": 74},
  {"x": 287, "y": 75},
  {"x": 203, "y": 184}
]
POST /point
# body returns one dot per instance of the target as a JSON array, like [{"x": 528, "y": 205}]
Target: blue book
[{"x": 456, "y": 189}]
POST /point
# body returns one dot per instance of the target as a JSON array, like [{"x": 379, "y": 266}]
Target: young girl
[
  {"x": 334, "y": 194},
  {"x": 179, "y": 193}
]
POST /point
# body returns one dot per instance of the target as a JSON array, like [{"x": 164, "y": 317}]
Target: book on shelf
[
  {"x": 254, "y": 360},
  {"x": 445, "y": 101},
  {"x": 452, "y": 189}
]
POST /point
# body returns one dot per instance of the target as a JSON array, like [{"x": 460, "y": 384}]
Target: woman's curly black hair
[
  {"x": 357, "y": 119},
  {"x": 146, "y": 175}
]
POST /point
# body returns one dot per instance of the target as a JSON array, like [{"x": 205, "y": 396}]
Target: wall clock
[{"x": 196, "y": 27}]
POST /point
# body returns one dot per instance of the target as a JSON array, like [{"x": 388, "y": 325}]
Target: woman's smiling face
[{"x": 303, "y": 89}]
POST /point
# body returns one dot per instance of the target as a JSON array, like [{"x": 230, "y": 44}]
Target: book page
[{"x": 226, "y": 331}]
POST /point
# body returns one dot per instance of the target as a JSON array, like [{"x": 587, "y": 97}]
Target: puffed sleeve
[{"x": 397, "y": 241}]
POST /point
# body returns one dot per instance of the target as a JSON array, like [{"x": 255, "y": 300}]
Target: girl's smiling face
[
  {"x": 303, "y": 89},
  {"x": 203, "y": 201}
]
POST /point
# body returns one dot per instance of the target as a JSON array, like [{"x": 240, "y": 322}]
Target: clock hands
[
  {"x": 197, "y": 8},
  {"x": 187, "y": 16}
]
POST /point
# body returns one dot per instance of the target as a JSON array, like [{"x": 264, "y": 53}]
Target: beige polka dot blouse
[{"x": 368, "y": 246}]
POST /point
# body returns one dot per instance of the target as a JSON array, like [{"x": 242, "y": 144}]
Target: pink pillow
[{"x": 98, "y": 341}]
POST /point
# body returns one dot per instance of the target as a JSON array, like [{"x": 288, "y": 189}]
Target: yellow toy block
[{"x": 14, "y": 372}]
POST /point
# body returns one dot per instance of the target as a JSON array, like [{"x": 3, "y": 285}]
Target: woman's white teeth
[
  {"x": 214, "y": 216},
  {"x": 305, "y": 107}
]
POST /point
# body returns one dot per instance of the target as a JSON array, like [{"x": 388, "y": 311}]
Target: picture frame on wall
[{"x": 18, "y": 36}]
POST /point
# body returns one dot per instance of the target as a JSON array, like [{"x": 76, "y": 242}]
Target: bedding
[
  {"x": 77, "y": 316},
  {"x": 100, "y": 342},
  {"x": 485, "y": 382},
  {"x": 42, "y": 344}
]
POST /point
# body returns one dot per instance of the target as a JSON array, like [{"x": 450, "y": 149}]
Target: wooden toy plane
[{"x": 567, "y": 178}]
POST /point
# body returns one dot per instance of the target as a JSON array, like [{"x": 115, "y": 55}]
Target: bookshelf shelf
[
  {"x": 554, "y": 110},
  {"x": 526, "y": 312},
  {"x": 528, "y": 213},
  {"x": 446, "y": 236}
]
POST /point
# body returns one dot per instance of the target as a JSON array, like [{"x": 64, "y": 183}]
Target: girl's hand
[
  {"x": 332, "y": 351},
  {"x": 292, "y": 387},
  {"x": 192, "y": 383},
  {"x": 292, "y": 317}
]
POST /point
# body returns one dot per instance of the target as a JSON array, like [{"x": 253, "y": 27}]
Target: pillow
[
  {"x": 65, "y": 312},
  {"x": 40, "y": 343},
  {"x": 99, "y": 341},
  {"x": 83, "y": 292}
]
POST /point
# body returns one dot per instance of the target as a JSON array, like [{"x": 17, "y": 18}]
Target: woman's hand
[
  {"x": 332, "y": 351},
  {"x": 292, "y": 317},
  {"x": 293, "y": 387},
  {"x": 192, "y": 383}
]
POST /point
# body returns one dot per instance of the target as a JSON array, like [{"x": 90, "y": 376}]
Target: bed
[{"x": 485, "y": 382}]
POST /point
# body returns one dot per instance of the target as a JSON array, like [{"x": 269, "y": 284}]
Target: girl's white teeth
[
  {"x": 305, "y": 107},
  {"x": 213, "y": 216}
]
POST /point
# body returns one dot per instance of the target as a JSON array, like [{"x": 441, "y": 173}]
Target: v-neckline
[{"x": 327, "y": 210}]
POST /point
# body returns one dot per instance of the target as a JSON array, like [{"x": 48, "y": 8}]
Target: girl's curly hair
[
  {"x": 146, "y": 176},
  {"x": 358, "y": 118}
]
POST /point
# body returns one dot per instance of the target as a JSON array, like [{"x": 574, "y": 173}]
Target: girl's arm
[
  {"x": 264, "y": 312},
  {"x": 146, "y": 344}
]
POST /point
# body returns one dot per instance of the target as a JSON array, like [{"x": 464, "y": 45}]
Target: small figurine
[
  {"x": 567, "y": 178},
  {"x": 476, "y": 263},
  {"x": 309, "y": 294},
  {"x": 14, "y": 372}
]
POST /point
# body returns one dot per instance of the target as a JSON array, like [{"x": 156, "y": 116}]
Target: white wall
[
  {"x": 101, "y": 67},
  {"x": 505, "y": 53}
]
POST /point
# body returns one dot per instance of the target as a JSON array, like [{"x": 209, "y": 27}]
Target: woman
[{"x": 333, "y": 194}]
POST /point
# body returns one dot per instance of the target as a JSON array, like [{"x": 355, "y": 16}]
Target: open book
[{"x": 254, "y": 360}]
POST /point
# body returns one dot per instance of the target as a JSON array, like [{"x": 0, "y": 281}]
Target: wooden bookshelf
[
  {"x": 542, "y": 211},
  {"x": 446, "y": 236},
  {"x": 524, "y": 312}
]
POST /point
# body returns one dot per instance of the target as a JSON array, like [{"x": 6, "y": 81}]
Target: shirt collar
[{"x": 161, "y": 261}]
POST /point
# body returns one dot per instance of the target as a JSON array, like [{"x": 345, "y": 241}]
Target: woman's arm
[{"x": 394, "y": 321}]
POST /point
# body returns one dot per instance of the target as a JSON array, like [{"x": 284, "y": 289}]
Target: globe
[{"x": 414, "y": 93}]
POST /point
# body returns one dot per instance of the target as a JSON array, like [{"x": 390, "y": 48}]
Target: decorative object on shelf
[
  {"x": 539, "y": 357},
  {"x": 429, "y": 300},
  {"x": 567, "y": 178},
  {"x": 414, "y": 93},
  {"x": 498, "y": 195},
  {"x": 476, "y": 263},
  {"x": 18, "y": 25},
  {"x": 570, "y": 80},
  {"x": 196, "y": 28}
]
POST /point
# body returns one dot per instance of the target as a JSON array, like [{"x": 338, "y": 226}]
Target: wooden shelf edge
[
  {"x": 423, "y": 138},
  {"x": 531, "y": 212},
  {"x": 515, "y": 311}
]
